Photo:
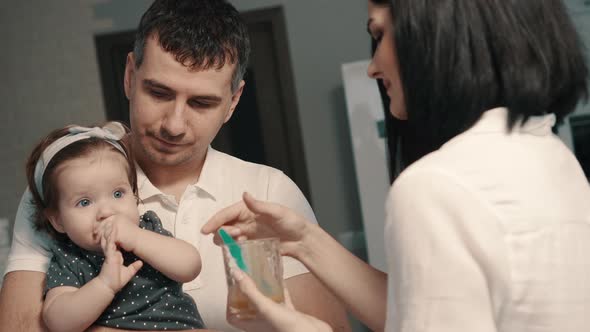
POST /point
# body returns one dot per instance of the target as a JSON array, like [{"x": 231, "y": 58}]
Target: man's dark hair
[
  {"x": 201, "y": 34},
  {"x": 459, "y": 58}
]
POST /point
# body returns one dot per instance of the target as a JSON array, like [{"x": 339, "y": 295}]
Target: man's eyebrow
[
  {"x": 153, "y": 84},
  {"x": 207, "y": 98},
  {"x": 211, "y": 98}
]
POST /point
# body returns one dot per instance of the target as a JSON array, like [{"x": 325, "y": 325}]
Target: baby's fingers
[
  {"x": 111, "y": 253},
  {"x": 104, "y": 244},
  {"x": 131, "y": 271}
]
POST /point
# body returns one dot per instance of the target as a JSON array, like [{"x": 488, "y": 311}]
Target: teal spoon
[{"x": 234, "y": 249}]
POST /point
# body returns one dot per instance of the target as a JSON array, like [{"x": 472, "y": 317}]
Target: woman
[{"x": 489, "y": 226}]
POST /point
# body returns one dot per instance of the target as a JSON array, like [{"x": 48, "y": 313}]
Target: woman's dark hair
[
  {"x": 201, "y": 34},
  {"x": 459, "y": 58},
  {"x": 75, "y": 150}
]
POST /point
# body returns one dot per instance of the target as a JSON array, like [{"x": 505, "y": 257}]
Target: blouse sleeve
[{"x": 444, "y": 250}]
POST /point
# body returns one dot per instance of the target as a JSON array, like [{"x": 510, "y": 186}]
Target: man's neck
[{"x": 172, "y": 180}]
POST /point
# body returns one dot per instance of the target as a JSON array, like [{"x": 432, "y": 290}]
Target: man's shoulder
[
  {"x": 240, "y": 167},
  {"x": 236, "y": 176}
]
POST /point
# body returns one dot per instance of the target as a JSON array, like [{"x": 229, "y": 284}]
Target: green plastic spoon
[{"x": 234, "y": 249}]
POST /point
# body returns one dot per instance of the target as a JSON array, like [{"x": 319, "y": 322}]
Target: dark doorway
[
  {"x": 580, "y": 127},
  {"x": 265, "y": 126}
]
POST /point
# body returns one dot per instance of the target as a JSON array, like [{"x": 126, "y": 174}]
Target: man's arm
[
  {"x": 21, "y": 301},
  {"x": 311, "y": 297},
  {"x": 21, "y": 298}
]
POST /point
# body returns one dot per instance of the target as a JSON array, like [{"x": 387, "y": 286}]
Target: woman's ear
[{"x": 53, "y": 218}]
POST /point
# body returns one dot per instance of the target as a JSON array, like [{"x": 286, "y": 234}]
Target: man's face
[{"x": 176, "y": 112}]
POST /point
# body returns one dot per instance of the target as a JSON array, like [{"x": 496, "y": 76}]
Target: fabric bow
[{"x": 112, "y": 132}]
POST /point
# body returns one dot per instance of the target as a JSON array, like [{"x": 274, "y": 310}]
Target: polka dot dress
[{"x": 150, "y": 301}]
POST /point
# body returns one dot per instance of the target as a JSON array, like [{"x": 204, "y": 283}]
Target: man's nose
[{"x": 174, "y": 123}]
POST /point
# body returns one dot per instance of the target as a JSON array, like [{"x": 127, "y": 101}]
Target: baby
[{"x": 110, "y": 266}]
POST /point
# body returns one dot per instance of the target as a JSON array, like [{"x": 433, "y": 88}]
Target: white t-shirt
[
  {"x": 222, "y": 181},
  {"x": 491, "y": 233}
]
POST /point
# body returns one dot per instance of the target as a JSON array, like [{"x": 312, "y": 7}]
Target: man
[{"x": 183, "y": 81}]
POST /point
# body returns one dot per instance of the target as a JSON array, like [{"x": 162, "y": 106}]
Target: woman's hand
[
  {"x": 272, "y": 316},
  {"x": 252, "y": 218}
]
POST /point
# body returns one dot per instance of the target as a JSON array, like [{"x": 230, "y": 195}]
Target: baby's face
[{"x": 91, "y": 189}]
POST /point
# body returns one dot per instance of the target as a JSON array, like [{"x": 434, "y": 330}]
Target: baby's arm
[
  {"x": 175, "y": 258},
  {"x": 69, "y": 308}
]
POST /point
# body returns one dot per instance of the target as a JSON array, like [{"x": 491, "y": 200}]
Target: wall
[{"x": 49, "y": 76}]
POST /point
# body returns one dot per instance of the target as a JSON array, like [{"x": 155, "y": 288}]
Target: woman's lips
[{"x": 387, "y": 86}]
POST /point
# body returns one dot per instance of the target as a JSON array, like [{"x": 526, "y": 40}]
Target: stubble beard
[{"x": 150, "y": 154}]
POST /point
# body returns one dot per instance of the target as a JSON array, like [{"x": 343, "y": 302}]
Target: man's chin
[{"x": 168, "y": 159}]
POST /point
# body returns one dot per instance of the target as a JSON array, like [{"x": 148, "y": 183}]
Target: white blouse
[{"x": 491, "y": 233}]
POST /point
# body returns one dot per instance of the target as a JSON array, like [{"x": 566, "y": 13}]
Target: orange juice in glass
[{"x": 264, "y": 265}]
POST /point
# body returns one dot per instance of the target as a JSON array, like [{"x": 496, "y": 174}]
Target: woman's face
[{"x": 384, "y": 64}]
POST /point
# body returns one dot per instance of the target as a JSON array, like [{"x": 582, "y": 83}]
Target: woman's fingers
[
  {"x": 271, "y": 211},
  {"x": 288, "y": 301},
  {"x": 237, "y": 212},
  {"x": 243, "y": 212},
  {"x": 279, "y": 317},
  {"x": 271, "y": 311},
  {"x": 246, "y": 217},
  {"x": 233, "y": 231}
]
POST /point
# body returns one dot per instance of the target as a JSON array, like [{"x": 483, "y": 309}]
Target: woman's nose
[{"x": 372, "y": 70}]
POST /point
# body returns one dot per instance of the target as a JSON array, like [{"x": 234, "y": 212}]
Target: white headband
[{"x": 112, "y": 132}]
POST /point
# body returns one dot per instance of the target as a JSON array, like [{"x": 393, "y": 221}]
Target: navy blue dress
[{"x": 150, "y": 301}]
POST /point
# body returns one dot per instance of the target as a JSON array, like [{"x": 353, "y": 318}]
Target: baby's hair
[{"x": 50, "y": 196}]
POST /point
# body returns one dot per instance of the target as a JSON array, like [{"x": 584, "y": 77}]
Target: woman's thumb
[{"x": 248, "y": 287}]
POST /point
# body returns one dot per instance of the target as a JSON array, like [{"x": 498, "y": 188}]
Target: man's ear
[
  {"x": 129, "y": 73},
  {"x": 53, "y": 218},
  {"x": 235, "y": 99}
]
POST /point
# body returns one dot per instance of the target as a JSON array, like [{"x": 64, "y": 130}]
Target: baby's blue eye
[
  {"x": 118, "y": 194},
  {"x": 84, "y": 202}
]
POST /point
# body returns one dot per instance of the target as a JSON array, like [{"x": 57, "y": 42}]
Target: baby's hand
[
  {"x": 113, "y": 272},
  {"x": 123, "y": 233}
]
